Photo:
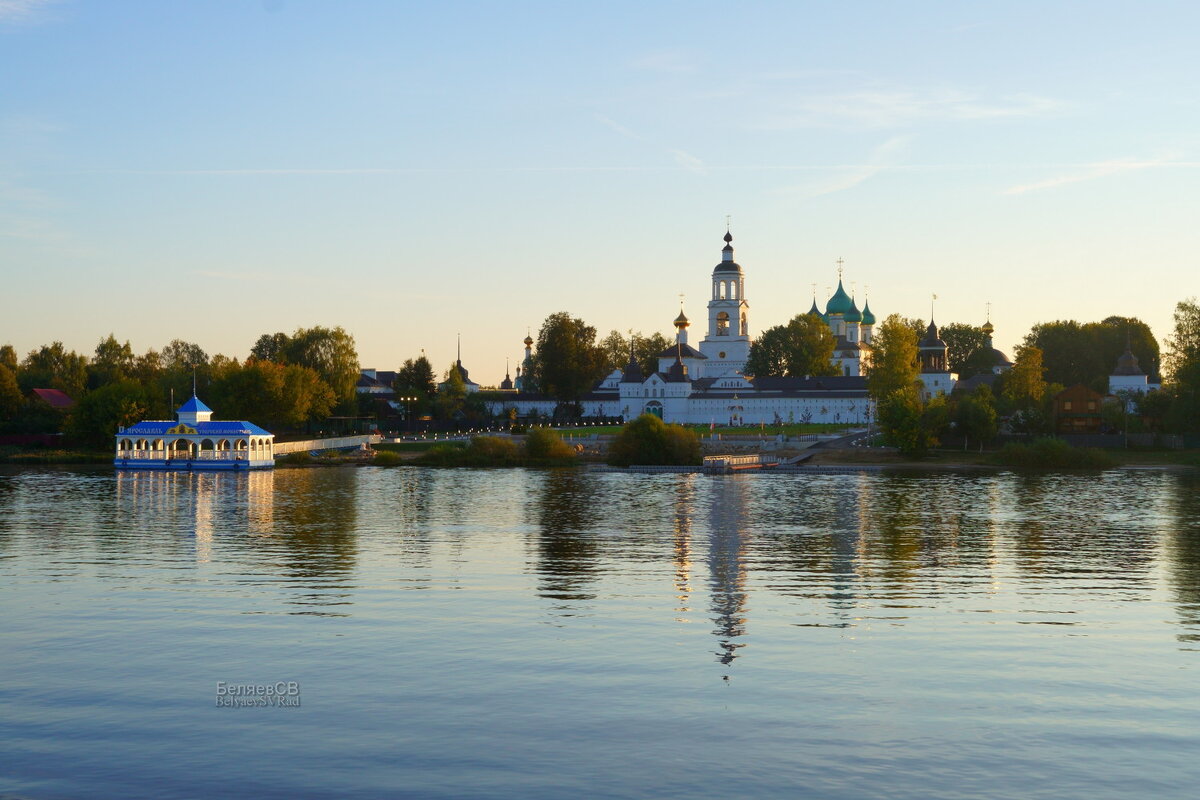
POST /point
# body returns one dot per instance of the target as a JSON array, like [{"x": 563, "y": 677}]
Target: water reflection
[
  {"x": 727, "y": 514},
  {"x": 568, "y": 555}
]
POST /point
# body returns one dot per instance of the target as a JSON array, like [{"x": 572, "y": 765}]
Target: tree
[
  {"x": 271, "y": 347},
  {"x": 331, "y": 352},
  {"x": 8, "y": 357},
  {"x": 568, "y": 361},
  {"x": 112, "y": 362},
  {"x": 649, "y": 440},
  {"x": 1024, "y": 386},
  {"x": 415, "y": 377},
  {"x": 893, "y": 368},
  {"x": 975, "y": 416},
  {"x": 962, "y": 341},
  {"x": 180, "y": 356},
  {"x": 11, "y": 399},
  {"x": 804, "y": 347},
  {"x": 646, "y": 349},
  {"x": 1183, "y": 363},
  {"x": 53, "y": 366},
  {"x": 96, "y": 418}
]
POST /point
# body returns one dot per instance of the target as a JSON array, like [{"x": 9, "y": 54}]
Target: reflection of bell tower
[
  {"x": 727, "y": 568},
  {"x": 727, "y": 345}
]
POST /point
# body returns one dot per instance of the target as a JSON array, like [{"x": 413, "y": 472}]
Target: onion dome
[
  {"x": 931, "y": 337},
  {"x": 727, "y": 263},
  {"x": 853, "y": 315},
  {"x": 840, "y": 303},
  {"x": 867, "y": 317},
  {"x": 681, "y": 321},
  {"x": 1127, "y": 364}
]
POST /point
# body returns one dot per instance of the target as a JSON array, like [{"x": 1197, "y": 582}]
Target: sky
[{"x": 415, "y": 171}]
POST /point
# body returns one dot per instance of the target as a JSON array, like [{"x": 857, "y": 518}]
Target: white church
[{"x": 707, "y": 385}]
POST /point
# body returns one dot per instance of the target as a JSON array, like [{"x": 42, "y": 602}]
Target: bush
[
  {"x": 544, "y": 444},
  {"x": 649, "y": 440},
  {"x": 387, "y": 458},
  {"x": 1050, "y": 453}
]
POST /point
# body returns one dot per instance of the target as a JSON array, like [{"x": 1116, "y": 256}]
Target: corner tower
[{"x": 727, "y": 344}]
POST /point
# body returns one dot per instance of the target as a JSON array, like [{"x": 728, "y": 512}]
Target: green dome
[
  {"x": 853, "y": 314},
  {"x": 840, "y": 303},
  {"x": 867, "y": 317}
]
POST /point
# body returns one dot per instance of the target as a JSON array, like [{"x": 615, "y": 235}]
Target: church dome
[
  {"x": 931, "y": 337},
  {"x": 867, "y": 317},
  {"x": 727, "y": 263},
  {"x": 840, "y": 303},
  {"x": 853, "y": 315}
]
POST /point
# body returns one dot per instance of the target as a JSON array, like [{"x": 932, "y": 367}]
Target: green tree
[
  {"x": 415, "y": 377},
  {"x": 96, "y": 418},
  {"x": 331, "y": 352},
  {"x": 1024, "y": 386},
  {"x": 180, "y": 356},
  {"x": 271, "y": 347},
  {"x": 1183, "y": 365},
  {"x": 567, "y": 361},
  {"x": 54, "y": 367},
  {"x": 962, "y": 341},
  {"x": 649, "y": 440},
  {"x": 113, "y": 362},
  {"x": 804, "y": 347},
  {"x": 893, "y": 369},
  {"x": 11, "y": 399},
  {"x": 975, "y": 417},
  {"x": 8, "y": 357},
  {"x": 451, "y": 394}
]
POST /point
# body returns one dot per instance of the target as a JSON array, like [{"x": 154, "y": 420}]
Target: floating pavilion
[{"x": 195, "y": 441}]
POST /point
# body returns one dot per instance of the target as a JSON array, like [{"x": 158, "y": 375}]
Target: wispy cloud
[
  {"x": 852, "y": 175},
  {"x": 688, "y": 161},
  {"x": 616, "y": 126},
  {"x": 1092, "y": 172},
  {"x": 882, "y": 108},
  {"x": 669, "y": 61},
  {"x": 21, "y": 10}
]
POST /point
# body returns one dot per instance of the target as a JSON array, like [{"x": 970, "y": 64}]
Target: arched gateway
[{"x": 195, "y": 442}]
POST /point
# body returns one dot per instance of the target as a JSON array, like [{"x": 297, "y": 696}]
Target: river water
[{"x": 577, "y": 634}]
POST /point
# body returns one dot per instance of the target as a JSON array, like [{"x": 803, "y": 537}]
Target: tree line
[{"x": 287, "y": 382}]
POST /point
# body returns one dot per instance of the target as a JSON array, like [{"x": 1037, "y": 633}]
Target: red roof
[{"x": 54, "y": 398}]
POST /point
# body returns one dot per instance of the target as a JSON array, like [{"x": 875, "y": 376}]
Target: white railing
[{"x": 184, "y": 455}]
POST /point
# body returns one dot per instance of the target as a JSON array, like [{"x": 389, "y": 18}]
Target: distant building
[
  {"x": 194, "y": 441},
  {"x": 1077, "y": 410},
  {"x": 1128, "y": 379}
]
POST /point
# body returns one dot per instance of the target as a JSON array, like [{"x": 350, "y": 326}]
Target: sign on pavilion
[{"x": 195, "y": 442}]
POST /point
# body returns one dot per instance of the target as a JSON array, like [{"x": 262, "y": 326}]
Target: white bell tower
[{"x": 727, "y": 344}]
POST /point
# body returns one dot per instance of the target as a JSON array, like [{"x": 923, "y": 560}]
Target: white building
[{"x": 707, "y": 385}]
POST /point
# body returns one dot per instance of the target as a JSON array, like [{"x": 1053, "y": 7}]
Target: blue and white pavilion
[{"x": 195, "y": 442}]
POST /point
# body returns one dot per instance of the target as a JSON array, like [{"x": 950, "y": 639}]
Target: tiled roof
[{"x": 54, "y": 398}]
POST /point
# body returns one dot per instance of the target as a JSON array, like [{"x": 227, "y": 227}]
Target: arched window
[{"x": 722, "y": 324}]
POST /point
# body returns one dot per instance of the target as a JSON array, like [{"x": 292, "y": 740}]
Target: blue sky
[{"x": 214, "y": 171}]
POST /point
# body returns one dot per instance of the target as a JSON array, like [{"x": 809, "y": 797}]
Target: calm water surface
[{"x": 550, "y": 634}]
